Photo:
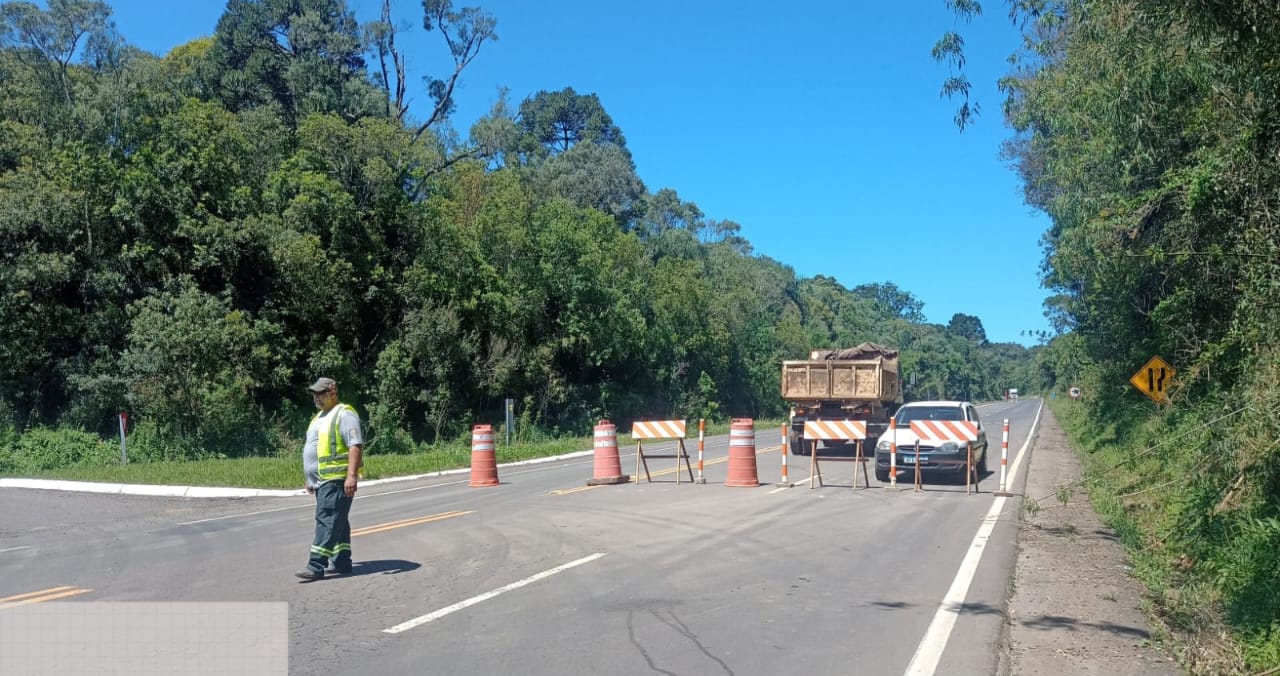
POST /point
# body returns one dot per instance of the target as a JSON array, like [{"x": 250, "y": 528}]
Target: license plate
[{"x": 911, "y": 459}]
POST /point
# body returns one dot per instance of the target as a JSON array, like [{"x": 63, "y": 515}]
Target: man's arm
[
  {"x": 354, "y": 458},
  {"x": 353, "y": 435}
]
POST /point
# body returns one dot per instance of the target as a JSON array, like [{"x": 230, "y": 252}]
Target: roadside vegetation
[{"x": 1149, "y": 131}]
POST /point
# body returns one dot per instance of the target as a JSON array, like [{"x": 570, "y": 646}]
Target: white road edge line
[
  {"x": 925, "y": 660},
  {"x": 429, "y": 617},
  {"x": 14, "y": 549}
]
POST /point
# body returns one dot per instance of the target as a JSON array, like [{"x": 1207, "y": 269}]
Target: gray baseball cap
[{"x": 323, "y": 385}]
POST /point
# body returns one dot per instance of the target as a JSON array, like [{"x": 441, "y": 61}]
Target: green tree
[
  {"x": 892, "y": 301},
  {"x": 300, "y": 56},
  {"x": 601, "y": 177},
  {"x": 968, "y": 327},
  {"x": 49, "y": 40},
  {"x": 196, "y": 368},
  {"x": 554, "y": 122}
]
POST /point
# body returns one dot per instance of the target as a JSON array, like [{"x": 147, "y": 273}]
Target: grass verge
[
  {"x": 285, "y": 471},
  {"x": 1149, "y": 478}
]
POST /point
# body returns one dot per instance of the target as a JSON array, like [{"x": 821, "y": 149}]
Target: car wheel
[
  {"x": 882, "y": 475},
  {"x": 982, "y": 463}
]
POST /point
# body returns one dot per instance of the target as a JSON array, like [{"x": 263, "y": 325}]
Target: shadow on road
[
  {"x": 1051, "y": 622},
  {"x": 892, "y": 605},
  {"x": 980, "y": 609},
  {"x": 383, "y": 566}
]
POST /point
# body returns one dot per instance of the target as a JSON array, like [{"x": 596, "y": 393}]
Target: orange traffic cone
[
  {"x": 742, "y": 453},
  {"x": 484, "y": 466},
  {"x": 607, "y": 467}
]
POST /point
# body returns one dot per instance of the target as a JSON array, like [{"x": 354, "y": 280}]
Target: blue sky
[{"x": 817, "y": 126}]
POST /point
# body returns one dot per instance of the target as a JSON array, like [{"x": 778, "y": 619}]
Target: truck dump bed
[{"x": 868, "y": 372}]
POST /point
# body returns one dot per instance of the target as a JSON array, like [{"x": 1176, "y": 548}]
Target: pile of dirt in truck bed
[{"x": 863, "y": 351}]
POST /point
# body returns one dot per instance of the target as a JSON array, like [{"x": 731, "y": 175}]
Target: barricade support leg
[
  {"x": 688, "y": 467},
  {"x": 860, "y": 461}
]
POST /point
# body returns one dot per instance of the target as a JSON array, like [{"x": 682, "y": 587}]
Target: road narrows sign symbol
[{"x": 1154, "y": 379}]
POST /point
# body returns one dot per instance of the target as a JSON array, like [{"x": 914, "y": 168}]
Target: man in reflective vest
[{"x": 331, "y": 463}]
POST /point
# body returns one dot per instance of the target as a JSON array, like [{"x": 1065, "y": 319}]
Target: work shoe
[{"x": 309, "y": 573}]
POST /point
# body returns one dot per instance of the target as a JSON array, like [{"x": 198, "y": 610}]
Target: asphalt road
[{"x": 543, "y": 575}]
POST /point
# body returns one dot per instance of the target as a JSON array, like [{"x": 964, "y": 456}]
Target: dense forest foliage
[
  {"x": 1149, "y": 131},
  {"x": 194, "y": 237}
]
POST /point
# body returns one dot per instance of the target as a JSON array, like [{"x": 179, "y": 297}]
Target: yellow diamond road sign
[{"x": 1154, "y": 379}]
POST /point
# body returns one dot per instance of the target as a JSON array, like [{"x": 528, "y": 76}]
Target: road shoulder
[{"x": 1074, "y": 608}]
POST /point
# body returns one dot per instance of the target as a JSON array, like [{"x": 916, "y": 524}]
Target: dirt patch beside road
[{"x": 1075, "y": 609}]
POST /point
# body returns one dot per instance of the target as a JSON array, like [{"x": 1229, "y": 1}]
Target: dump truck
[{"x": 858, "y": 383}]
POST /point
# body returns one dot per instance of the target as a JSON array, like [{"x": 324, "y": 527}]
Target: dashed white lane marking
[
  {"x": 925, "y": 660},
  {"x": 14, "y": 549},
  {"x": 429, "y": 617}
]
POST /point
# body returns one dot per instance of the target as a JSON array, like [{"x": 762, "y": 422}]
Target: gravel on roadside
[{"x": 1074, "y": 609}]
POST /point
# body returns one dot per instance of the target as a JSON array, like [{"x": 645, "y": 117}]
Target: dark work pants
[{"x": 333, "y": 530}]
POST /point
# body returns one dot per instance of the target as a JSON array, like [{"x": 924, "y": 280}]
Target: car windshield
[{"x": 906, "y": 415}]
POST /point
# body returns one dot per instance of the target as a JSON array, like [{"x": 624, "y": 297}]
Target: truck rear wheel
[{"x": 796, "y": 443}]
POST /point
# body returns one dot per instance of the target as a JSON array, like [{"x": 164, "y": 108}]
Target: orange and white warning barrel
[
  {"x": 606, "y": 465},
  {"x": 484, "y": 465},
  {"x": 742, "y": 453}
]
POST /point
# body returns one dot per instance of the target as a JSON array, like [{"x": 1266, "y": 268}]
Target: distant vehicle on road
[{"x": 947, "y": 457}]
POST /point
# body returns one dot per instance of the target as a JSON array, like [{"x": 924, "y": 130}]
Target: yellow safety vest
[{"x": 331, "y": 448}]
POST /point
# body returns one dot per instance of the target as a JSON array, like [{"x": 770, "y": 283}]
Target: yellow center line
[
  {"x": 369, "y": 530},
  {"x": 579, "y": 489},
  {"x": 19, "y": 597},
  {"x": 413, "y": 520},
  {"x": 664, "y": 472},
  {"x": 41, "y": 596}
]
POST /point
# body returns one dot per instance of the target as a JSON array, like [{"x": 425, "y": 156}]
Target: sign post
[
  {"x": 511, "y": 408},
  {"x": 1154, "y": 379},
  {"x": 124, "y": 423}
]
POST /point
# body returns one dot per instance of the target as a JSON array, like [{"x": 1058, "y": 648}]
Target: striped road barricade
[
  {"x": 836, "y": 430},
  {"x": 941, "y": 431},
  {"x": 654, "y": 430}
]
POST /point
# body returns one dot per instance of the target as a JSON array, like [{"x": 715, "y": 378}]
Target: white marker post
[
  {"x": 1004, "y": 461},
  {"x": 893, "y": 465},
  {"x": 702, "y": 431},
  {"x": 785, "y": 444}
]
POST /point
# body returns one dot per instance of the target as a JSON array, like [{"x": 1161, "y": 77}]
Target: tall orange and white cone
[
  {"x": 484, "y": 464},
  {"x": 742, "y": 453},
  {"x": 606, "y": 466}
]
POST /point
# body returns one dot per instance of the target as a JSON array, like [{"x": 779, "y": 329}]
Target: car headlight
[
  {"x": 883, "y": 445},
  {"x": 951, "y": 447}
]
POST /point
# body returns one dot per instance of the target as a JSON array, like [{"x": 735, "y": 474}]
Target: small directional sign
[{"x": 1154, "y": 379}]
